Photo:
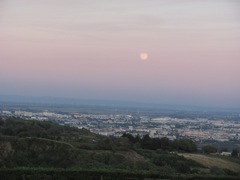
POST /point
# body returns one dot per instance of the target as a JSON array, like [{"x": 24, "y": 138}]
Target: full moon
[{"x": 143, "y": 56}]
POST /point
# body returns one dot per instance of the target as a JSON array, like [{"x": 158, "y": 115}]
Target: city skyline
[{"x": 91, "y": 49}]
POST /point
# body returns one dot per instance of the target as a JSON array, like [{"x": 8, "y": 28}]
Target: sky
[{"x": 90, "y": 50}]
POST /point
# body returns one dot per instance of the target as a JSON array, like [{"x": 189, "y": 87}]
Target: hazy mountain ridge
[{"x": 18, "y": 100}]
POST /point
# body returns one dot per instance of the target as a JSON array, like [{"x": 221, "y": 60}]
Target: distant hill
[{"x": 73, "y": 102}]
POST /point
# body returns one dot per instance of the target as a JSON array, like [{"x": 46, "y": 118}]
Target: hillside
[
  {"x": 212, "y": 161},
  {"x": 35, "y": 144}
]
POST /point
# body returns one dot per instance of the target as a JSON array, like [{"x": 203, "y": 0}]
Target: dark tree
[
  {"x": 187, "y": 145},
  {"x": 234, "y": 153},
  {"x": 209, "y": 149},
  {"x": 146, "y": 142},
  {"x": 165, "y": 143},
  {"x": 129, "y": 137},
  {"x": 224, "y": 149}
]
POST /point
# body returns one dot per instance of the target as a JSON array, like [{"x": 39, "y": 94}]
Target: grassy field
[{"x": 211, "y": 161}]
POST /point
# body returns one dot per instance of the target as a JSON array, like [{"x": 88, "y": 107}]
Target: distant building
[{"x": 225, "y": 153}]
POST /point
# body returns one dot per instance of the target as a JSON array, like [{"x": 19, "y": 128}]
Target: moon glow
[{"x": 143, "y": 56}]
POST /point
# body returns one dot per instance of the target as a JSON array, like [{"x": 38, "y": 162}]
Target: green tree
[
  {"x": 165, "y": 143},
  {"x": 209, "y": 149},
  {"x": 137, "y": 139},
  {"x": 234, "y": 153},
  {"x": 224, "y": 149},
  {"x": 1, "y": 122},
  {"x": 185, "y": 145},
  {"x": 146, "y": 142},
  {"x": 129, "y": 137}
]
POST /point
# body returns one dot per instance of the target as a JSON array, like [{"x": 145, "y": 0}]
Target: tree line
[{"x": 146, "y": 142}]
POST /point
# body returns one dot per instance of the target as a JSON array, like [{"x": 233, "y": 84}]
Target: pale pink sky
[{"x": 90, "y": 49}]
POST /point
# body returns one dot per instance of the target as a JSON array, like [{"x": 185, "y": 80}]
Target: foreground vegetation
[
  {"x": 96, "y": 174},
  {"x": 45, "y": 150}
]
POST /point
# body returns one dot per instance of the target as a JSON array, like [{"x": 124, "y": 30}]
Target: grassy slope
[
  {"x": 69, "y": 147},
  {"x": 80, "y": 148},
  {"x": 211, "y": 161}
]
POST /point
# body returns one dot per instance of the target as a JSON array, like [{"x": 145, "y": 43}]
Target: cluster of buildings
[{"x": 200, "y": 129}]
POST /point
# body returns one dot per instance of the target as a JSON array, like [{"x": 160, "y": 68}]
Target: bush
[{"x": 209, "y": 149}]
